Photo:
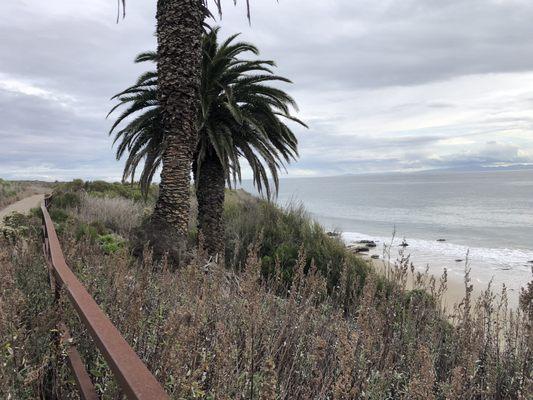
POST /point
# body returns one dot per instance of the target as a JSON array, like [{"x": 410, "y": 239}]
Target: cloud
[
  {"x": 384, "y": 85},
  {"x": 365, "y": 43},
  {"x": 492, "y": 154}
]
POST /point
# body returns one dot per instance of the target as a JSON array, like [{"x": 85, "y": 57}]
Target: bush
[
  {"x": 86, "y": 231},
  {"x": 58, "y": 215},
  {"x": 283, "y": 233},
  {"x": 36, "y": 212},
  {"x": 30, "y": 365},
  {"x": 108, "y": 190},
  {"x": 116, "y": 214},
  {"x": 65, "y": 199},
  {"x": 15, "y": 226},
  {"x": 123, "y": 190},
  {"x": 110, "y": 243}
]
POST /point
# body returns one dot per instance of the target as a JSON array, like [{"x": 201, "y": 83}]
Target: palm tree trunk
[
  {"x": 210, "y": 195},
  {"x": 179, "y": 34}
]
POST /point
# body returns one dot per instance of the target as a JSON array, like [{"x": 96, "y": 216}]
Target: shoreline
[
  {"x": 455, "y": 287},
  {"x": 481, "y": 274}
]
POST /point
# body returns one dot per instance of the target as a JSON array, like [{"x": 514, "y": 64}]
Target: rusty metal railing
[{"x": 131, "y": 374}]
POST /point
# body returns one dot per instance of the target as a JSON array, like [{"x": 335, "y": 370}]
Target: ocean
[{"x": 487, "y": 215}]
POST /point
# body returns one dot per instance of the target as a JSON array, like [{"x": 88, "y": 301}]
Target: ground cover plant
[{"x": 267, "y": 326}]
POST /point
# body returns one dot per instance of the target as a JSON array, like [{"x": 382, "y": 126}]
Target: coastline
[
  {"x": 480, "y": 274},
  {"x": 449, "y": 220},
  {"x": 455, "y": 287}
]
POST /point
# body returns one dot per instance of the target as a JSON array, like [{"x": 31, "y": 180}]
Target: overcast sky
[{"x": 389, "y": 85}]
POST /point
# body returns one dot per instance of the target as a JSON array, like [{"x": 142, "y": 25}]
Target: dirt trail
[{"x": 22, "y": 206}]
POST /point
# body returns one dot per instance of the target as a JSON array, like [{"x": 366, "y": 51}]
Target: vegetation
[
  {"x": 240, "y": 116},
  {"x": 179, "y": 34},
  {"x": 282, "y": 237},
  {"x": 264, "y": 329}
]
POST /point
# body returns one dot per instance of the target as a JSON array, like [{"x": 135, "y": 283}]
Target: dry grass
[
  {"x": 116, "y": 213},
  {"x": 209, "y": 333},
  {"x": 31, "y": 367}
]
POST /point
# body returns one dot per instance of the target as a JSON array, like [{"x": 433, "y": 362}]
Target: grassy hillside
[{"x": 292, "y": 314}]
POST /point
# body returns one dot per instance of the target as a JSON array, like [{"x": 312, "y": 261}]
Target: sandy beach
[{"x": 455, "y": 287}]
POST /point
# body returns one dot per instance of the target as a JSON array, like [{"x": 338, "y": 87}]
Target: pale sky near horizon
[{"x": 392, "y": 85}]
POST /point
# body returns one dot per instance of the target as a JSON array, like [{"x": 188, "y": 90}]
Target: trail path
[{"x": 22, "y": 206}]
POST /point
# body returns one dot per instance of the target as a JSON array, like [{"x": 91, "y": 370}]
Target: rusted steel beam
[
  {"x": 130, "y": 372},
  {"x": 83, "y": 380}
]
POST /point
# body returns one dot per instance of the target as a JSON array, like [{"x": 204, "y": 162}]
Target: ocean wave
[
  {"x": 501, "y": 265},
  {"x": 500, "y": 256}
]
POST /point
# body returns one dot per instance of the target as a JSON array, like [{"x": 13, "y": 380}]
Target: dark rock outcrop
[
  {"x": 358, "y": 249},
  {"x": 367, "y": 243}
]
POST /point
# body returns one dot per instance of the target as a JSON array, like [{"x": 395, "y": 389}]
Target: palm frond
[{"x": 242, "y": 117}]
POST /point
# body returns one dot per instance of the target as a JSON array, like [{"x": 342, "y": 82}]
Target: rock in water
[
  {"x": 367, "y": 243},
  {"x": 359, "y": 249},
  {"x": 459, "y": 260},
  {"x": 375, "y": 256},
  {"x": 441, "y": 240}
]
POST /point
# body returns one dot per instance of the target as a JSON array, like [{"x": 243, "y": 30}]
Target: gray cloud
[
  {"x": 365, "y": 43},
  {"x": 395, "y": 85},
  {"x": 490, "y": 155}
]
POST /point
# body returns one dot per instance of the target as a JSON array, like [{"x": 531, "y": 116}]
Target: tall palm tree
[
  {"x": 240, "y": 116},
  {"x": 179, "y": 33},
  {"x": 179, "y": 49}
]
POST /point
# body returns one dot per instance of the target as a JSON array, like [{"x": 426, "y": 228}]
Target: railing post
[
  {"x": 130, "y": 372},
  {"x": 62, "y": 335}
]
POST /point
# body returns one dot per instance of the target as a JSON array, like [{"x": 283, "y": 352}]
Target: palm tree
[
  {"x": 143, "y": 136},
  {"x": 179, "y": 49},
  {"x": 240, "y": 117}
]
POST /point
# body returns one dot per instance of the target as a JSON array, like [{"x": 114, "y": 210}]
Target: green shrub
[
  {"x": 58, "y": 215},
  {"x": 282, "y": 234},
  {"x": 99, "y": 227},
  {"x": 76, "y": 185},
  {"x": 117, "y": 189},
  {"x": 110, "y": 243},
  {"x": 94, "y": 230},
  {"x": 16, "y": 220},
  {"x": 66, "y": 195},
  {"x": 83, "y": 230},
  {"x": 36, "y": 212},
  {"x": 65, "y": 199},
  {"x": 15, "y": 225}
]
